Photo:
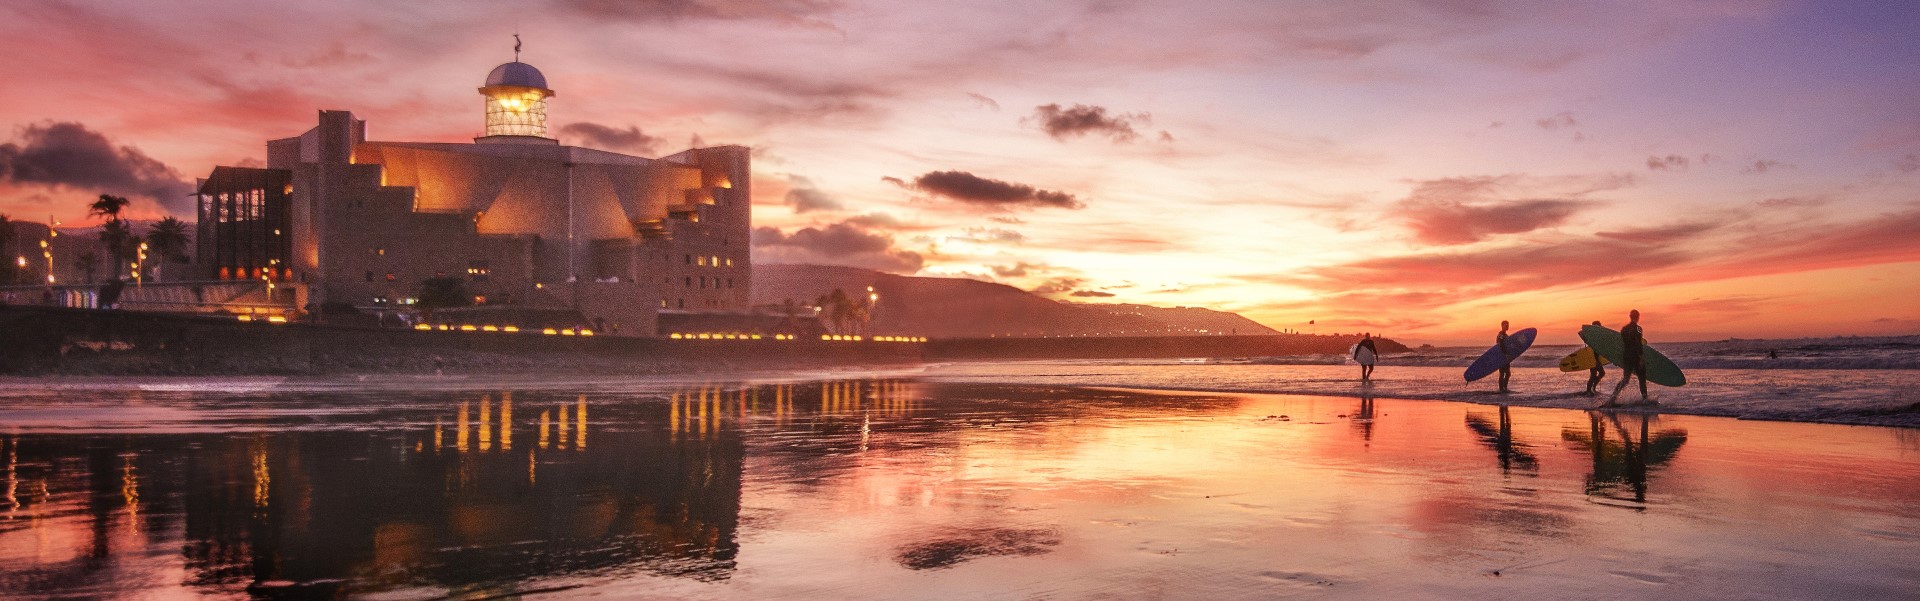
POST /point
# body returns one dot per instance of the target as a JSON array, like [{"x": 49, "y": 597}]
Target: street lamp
[{"x": 139, "y": 258}]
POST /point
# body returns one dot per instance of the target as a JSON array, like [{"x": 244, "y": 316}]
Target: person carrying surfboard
[
  {"x": 1633, "y": 357},
  {"x": 1365, "y": 359},
  {"x": 1506, "y": 359},
  {"x": 1598, "y": 373}
]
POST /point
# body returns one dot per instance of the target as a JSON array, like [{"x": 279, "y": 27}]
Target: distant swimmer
[
  {"x": 1365, "y": 354},
  {"x": 1633, "y": 359},
  {"x": 1773, "y": 354},
  {"x": 1506, "y": 362},
  {"x": 1598, "y": 373}
]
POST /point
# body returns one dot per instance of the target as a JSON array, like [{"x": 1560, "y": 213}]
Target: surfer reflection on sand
[
  {"x": 1363, "y": 418},
  {"x": 1499, "y": 437},
  {"x": 1621, "y": 466}
]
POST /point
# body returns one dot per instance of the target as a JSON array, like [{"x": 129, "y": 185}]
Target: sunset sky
[{"x": 1421, "y": 169}]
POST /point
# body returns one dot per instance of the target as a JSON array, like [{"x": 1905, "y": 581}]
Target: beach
[{"x": 914, "y": 483}]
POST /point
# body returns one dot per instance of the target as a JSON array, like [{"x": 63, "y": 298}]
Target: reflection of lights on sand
[
  {"x": 460, "y": 429},
  {"x": 262, "y": 479},
  {"x": 506, "y": 421},
  {"x": 486, "y": 423},
  {"x": 580, "y": 418}
]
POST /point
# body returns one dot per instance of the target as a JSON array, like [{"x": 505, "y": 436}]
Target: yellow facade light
[
  {"x": 676, "y": 336},
  {"x": 276, "y": 319},
  {"x": 423, "y": 327},
  {"x": 586, "y": 332},
  {"x": 510, "y": 329},
  {"x": 489, "y": 329},
  {"x": 549, "y": 331},
  {"x": 244, "y": 317},
  {"x": 567, "y": 332}
]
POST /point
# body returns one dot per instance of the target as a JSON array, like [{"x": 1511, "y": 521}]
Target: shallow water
[{"x": 903, "y": 488}]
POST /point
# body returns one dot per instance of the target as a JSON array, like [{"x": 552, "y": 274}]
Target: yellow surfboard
[{"x": 1582, "y": 360}]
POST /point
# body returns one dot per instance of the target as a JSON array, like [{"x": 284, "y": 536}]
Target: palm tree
[
  {"x": 115, "y": 233},
  {"x": 87, "y": 263},
  {"x": 169, "y": 240}
]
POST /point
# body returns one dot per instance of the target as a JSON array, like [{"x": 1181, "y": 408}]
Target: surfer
[
  {"x": 1598, "y": 373},
  {"x": 1366, "y": 362},
  {"x": 1506, "y": 359},
  {"x": 1633, "y": 360}
]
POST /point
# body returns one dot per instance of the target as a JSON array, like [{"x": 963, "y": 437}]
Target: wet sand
[{"x": 894, "y": 488}]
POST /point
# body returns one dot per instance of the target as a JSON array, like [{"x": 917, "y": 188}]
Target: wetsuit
[
  {"x": 1506, "y": 365},
  {"x": 1633, "y": 359}
]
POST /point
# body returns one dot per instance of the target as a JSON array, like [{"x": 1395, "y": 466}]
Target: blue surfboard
[{"x": 1489, "y": 362}]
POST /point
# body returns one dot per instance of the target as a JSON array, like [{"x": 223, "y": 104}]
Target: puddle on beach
[{"x": 908, "y": 489}]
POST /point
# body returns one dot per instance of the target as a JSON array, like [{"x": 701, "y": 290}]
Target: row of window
[
  {"x": 703, "y": 282},
  {"x": 706, "y": 261}
]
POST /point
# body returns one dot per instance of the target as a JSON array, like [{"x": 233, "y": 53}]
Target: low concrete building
[{"x": 517, "y": 217}]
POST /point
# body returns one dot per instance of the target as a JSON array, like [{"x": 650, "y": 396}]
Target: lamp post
[
  {"x": 140, "y": 257},
  {"x": 47, "y": 251}
]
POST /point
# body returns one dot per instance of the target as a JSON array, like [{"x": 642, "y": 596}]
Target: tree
[
  {"x": 88, "y": 263},
  {"x": 837, "y": 308},
  {"x": 170, "y": 239},
  {"x": 114, "y": 234}
]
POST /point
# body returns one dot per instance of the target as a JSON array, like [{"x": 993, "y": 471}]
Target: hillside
[{"x": 956, "y": 307}]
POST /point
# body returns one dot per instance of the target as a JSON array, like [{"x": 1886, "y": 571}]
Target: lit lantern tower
[{"x": 516, "y": 102}]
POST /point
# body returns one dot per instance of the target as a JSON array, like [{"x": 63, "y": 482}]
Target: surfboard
[
  {"x": 1607, "y": 343},
  {"x": 1361, "y": 355},
  {"x": 1490, "y": 361},
  {"x": 1582, "y": 360}
]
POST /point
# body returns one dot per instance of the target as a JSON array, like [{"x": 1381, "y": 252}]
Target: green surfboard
[{"x": 1607, "y": 343}]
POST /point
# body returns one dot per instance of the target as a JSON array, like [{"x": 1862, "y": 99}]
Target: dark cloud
[
  {"x": 1091, "y": 294},
  {"x": 1083, "y": 120},
  {"x": 972, "y": 189},
  {"x": 804, "y": 197},
  {"x": 1006, "y": 219},
  {"x": 1059, "y": 285},
  {"x": 836, "y": 244},
  {"x": 1561, "y": 120},
  {"x": 1764, "y": 165},
  {"x": 810, "y": 13},
  {"x": 878, "y": 220},
  {"x": 1670, "y": 162},
  {"x": 604, "y": 137},
  {"x": 1660, "y": 235},
  {"x": 1020, "y": 269},
  {"x": 66, "y": 154},
  {"x": 1462, "y": 210},
  {"x": 896, "y": 181},
  {"x": 983, "y": 101}
]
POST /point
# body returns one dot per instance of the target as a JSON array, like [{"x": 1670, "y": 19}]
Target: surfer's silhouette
[
  {"x": 1598, "y": 373},
  {"x": 1366, "y": 365},
  {"x": 1506, "y": 359},
  {"x": 1633, "y": 362}
]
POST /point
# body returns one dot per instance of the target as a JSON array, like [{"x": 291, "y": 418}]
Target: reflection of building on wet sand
[{"x": 492, "y": 490}]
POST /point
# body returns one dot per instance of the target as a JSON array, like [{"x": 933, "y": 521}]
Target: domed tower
[{"x": 516, "y": 103}]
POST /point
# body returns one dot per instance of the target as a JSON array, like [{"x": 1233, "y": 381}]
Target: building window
[
  {"x": 689, "y": 282},
  {"x": 703, "y": 282},
  {"x": 729, "y": 262},
  {"x": 477, "y": 270},
  {"x": 663, "y": 303},
  {"x": 689, "y": 259},
  {"x": 683, "y": 303},
  {"x": 729, "y": 283},
  {"x": 701, "y": 262},
  {"x": 380, "y": 251}
]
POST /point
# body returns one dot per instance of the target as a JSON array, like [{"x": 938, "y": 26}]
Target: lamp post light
[{"x": 140, "y": 257}]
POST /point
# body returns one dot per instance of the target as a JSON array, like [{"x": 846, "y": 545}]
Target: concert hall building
[{"x": 523, "y": 220}]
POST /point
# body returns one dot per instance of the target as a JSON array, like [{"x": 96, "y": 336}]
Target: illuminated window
[
  {"x": 479, "y": 300},
  {"x": 380, "y": 251},
  {"x": 729, "y": 262},
  {"x": 516, "y": 111},
  {"x": 701, "y": 262},
  {"x": 663, "y": 304},
  {"x": 477, "y": 270},
  {"x": 716, "y": 261}
]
